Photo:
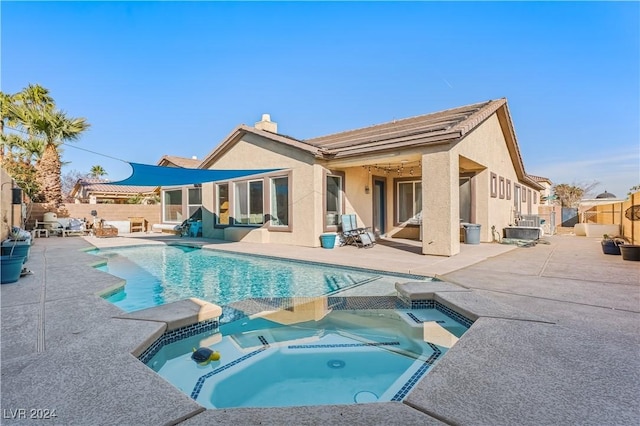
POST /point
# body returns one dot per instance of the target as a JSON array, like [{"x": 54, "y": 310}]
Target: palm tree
[
  {"x": 97, "y": 172},
  {"x": 56, "y": 128},
  {"x": 6, "y": 100},
  {"x": 33, "y": 112},
  {"x": 35, "y": 97}
]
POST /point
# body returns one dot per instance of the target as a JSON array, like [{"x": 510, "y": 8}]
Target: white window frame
[
  {"x": 189, "y": 206},
  {"x": 248, "y": 206},
  {"x": 416, "y": 217},
  {"x": 328, "y": 227},
  {"x": 164, "y": 205},
  {"x": 229, "y": 212},
  {"x": 273, "y": 202}
]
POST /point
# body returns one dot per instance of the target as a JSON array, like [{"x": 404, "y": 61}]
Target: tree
[
  {"x": 17, "y": 152},
  {"x": 570, "y": 195},
  {"x": 97, "y": 172},
  {"x": 68, "y": 181},
  {"x": 5, "y": 117},
  {"x": 633, "y": 189},
  {"x": 36, "y": 116}
]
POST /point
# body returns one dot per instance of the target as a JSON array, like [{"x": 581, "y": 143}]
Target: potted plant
[
  {"x": 611, "y": 245},
  {"x": 11, "y": 259}
]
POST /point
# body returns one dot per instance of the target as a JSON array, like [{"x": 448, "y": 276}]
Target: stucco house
[{"x": 419, "y": 178}]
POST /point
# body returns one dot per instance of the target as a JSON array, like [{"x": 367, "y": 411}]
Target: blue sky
[{"x": 157, "y": 78}]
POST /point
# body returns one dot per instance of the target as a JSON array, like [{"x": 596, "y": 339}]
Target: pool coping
[{"x": 465, "y": 377}]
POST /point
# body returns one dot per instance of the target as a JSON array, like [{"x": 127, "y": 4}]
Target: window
[
  {"x": 222, "y": 207},
  {"x": 194, "y": 200},
  {"x": 409, "y": 202},
  {"x": 172, "y": 203},
  {"x": 501, "y": 187},
  {"x": 494, "y": 185},
  {"x": 249, "y": 203},
  {"x": 508, "y": 189},
  {"x": 333, "y": 201},
  {"x": 279, "y": 201}
]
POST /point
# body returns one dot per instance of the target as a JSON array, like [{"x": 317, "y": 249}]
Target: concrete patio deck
[{"x": 556, "y": 340}]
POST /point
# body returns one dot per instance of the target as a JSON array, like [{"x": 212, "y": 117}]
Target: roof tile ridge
[
  {"x": 252, "y": 129},
  {"x": 394, "y": 121},
  {"x": 479, "y": 116}
]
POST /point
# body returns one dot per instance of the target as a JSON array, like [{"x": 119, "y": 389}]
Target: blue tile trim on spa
[
  {"x": 343, "y": 345},
  {"x": 399, "y": 396},
  {"x": 419, "y": 321},
  {"x": 339, "y": 303},
  {"x": 198, "y": 387},
  {"x": 453, "y": 314},
  {"x": 176, "y": 335}
]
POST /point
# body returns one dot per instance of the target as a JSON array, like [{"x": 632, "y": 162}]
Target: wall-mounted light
[
  {"x": 366, "y": 189},
  {"x": 16, "y": 196}
]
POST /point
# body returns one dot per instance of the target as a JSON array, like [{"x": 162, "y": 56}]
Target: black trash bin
[{"x": 471, "y": 233}]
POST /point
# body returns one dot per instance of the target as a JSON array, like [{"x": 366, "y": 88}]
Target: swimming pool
[
  {"x": 156, "y": 275},
  {"x": 287, "y": 358}
]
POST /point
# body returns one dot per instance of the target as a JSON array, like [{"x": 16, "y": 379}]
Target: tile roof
[
  {"x": 430, "y": 129},
  {"x": 438, "y": 127},
  {"x": 190, "y": 163},
  {"x": 100, "y": 185},
  {"x": 539, "y": 178}
]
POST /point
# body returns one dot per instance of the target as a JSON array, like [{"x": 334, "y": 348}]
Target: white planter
[{"x": 598, "y": 230}]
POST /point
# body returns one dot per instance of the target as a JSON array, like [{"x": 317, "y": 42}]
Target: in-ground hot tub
[{"x": 296, "y": 358}]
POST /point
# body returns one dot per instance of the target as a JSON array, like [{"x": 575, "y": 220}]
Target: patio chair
[
  {"x": 352, "y": 234},
  {"x": 349, "y": 233}
]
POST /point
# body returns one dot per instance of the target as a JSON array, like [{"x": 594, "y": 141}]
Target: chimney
[{"x": 267, "y": 124}]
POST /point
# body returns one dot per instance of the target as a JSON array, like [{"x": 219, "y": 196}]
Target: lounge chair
[{"x": 351, "y": 234}]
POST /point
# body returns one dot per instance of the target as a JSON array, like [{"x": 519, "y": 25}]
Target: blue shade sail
[{"x": 148, "y": 175}]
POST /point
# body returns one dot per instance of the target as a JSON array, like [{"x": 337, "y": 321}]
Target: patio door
[{"x": 379, "y": 206}]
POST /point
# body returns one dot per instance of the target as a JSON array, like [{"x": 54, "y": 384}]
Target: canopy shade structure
[{"x": 148, "y": 175}]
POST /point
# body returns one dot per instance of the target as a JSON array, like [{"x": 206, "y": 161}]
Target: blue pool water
[
  {"x": 287, "y": 359},
  {"x": 156, "y": 275}
]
